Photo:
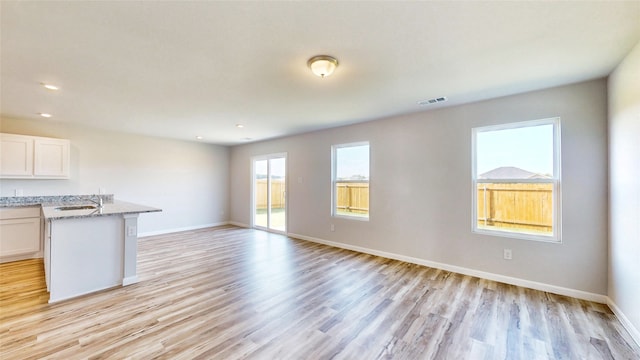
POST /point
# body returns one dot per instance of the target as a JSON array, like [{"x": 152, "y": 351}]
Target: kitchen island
[{"x": 88, "y": 248}]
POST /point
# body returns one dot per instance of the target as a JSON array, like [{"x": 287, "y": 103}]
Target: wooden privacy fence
[
  {"x": 522, "y": 206},
  {"x": 277, "y": 193},
  {"x": 352, "y": 197}
]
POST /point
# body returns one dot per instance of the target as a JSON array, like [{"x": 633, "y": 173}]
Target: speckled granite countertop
[
  {"x": 115, "y": 208},
  {"x": 19, "y": 201},
  {"x": 50, "y": 205}
]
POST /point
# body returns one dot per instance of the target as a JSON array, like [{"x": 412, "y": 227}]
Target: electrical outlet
[
  {"x": 18, "y": 192},
  {"x": 507, "y": 254},
  {"x": 101, "y": 191},
  {"x": 131, "y": 231},
  {"x": 333, "y": 228}
]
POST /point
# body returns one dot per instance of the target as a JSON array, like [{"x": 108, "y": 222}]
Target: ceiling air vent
[{"x": 432, "y": 101}]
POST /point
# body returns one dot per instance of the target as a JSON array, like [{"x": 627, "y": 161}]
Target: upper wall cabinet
[
  {"x": 16, "y": 156},
  {"x": 51, "y": 158},
  {"x": 31, "y": 157}
]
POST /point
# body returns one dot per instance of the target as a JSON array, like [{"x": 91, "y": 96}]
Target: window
[
  {"x": 350, "y": 180},
  {"x": 516, "y": 180}
]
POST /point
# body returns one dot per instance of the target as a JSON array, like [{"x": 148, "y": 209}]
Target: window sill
[
  {"x": 519, "y": 235},
  {"x": 351, "y": 217}
]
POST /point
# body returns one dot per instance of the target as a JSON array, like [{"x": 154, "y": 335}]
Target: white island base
[{"x": 88, "y": 254}]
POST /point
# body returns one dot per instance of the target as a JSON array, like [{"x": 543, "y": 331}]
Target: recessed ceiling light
[
  {"x": 50, "y": 86},
  {"x": 199, "y": 137},
  {"x": 45, "y": 115},
  {"x": 247, "y": 139},
  {"x": 239, "y": 126}
]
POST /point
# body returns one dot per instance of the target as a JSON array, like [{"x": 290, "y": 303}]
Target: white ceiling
[{"x": 182, "y": 69}]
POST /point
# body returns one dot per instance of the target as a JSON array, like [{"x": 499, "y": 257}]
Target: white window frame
[
  {"x": 334, "y": 172},
  {"x": 555, "y": 237}
]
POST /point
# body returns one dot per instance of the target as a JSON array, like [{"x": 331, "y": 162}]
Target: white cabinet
[
  {"x": 32, "y": 157},
  {"x": 51, "y": 158},
  {"x": 20, "y": 233},
  {"x": 84, "y": 255},
  {"x": 16, "y": 155}
]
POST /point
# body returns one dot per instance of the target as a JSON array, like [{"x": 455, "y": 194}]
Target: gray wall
[
  {"x": 624, "y": 186},
  {"x": 421, "y": 187},
  {"x": 188, "y": 180}
]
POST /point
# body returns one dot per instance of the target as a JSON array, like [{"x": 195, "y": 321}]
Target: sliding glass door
[{"x": 269, "y": 203}]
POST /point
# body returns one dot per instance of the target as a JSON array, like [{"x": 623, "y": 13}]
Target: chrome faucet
[{"x": 99, "y": 202}]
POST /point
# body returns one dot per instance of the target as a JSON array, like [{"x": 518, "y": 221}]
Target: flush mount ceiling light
[
  {"x": 239, "y": 126},
  {"x": 322, "y": 65},
  {"x": 45, "y": 115},
  {"x": 50, "y": 86}
]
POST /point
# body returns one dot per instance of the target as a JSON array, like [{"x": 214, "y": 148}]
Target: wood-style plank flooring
[{"x": 233, "y": 293}]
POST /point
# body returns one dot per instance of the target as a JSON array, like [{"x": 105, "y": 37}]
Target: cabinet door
[
  {"x": 19, "y": 236},
  {"x": 51, "y": 158},
  {"x": 16, "y": 156}
]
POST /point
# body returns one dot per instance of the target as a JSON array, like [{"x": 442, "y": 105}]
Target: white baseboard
[
  {"x": 238, "y": 224},
  {"x": 465, "y": 271},
  {"x": 6, "y": 259},
  {"x": 130, "y": 280},
  {"x": 633, "y": 331},
  {"x": 187, "y": 228}
]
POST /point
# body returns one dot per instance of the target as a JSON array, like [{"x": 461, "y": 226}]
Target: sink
[{"x": 76, "y": 207}]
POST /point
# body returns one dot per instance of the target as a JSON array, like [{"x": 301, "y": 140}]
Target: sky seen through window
[{"x": 528, "y": 148}]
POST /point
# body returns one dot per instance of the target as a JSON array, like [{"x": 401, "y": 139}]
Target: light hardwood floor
[{"x": 233, "y": 293}]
